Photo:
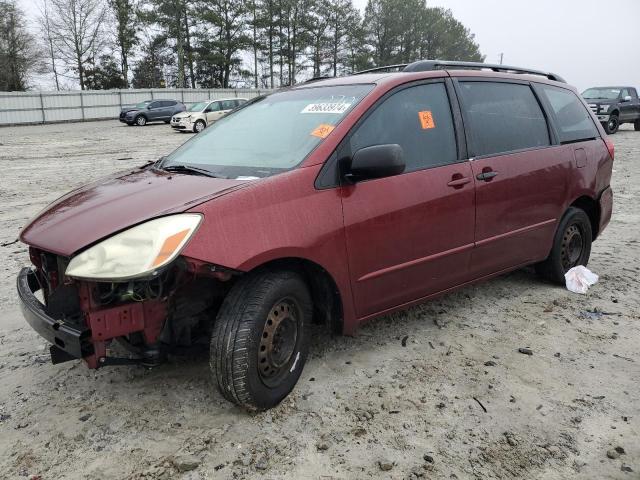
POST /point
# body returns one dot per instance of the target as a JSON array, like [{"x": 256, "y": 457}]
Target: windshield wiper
[{"x": 189, "y": 169}]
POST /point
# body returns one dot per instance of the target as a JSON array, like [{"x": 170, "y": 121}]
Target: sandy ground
[{"x": 365, "y": 406}]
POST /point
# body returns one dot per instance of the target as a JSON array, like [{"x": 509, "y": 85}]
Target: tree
[
  {"x": 19, "y": 57},
  {"x": 149, "y": 71},
  {"x": 104, "y": 74},
  {"x": 402, "y": 31},
  {"x": 77, "y": 30},
  {"x": 126, "y": 28},
  {"x": 44, "y": 21},
  {"x": 225, "y": 23}
]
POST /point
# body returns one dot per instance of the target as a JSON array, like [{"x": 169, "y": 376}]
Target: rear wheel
[
  {"x": 199, "y": 126},
  {"x": 636, "y": 125},
  {"x": 141, "y": 120},
  {"x": 571, "y": 246},
  {"x": 612, "y": 125},
  {"x": 260, "y": 338}
]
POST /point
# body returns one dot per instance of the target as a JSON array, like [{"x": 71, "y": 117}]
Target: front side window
[
  {"x": 416, "y": 118},
  {"x": 214, "y": 107},
  {"x": 502, "y": 117},
  {"x": 273, "y": 134},
  {"x": 572, "y": 118},
  {"x": 197, "y": 107}
]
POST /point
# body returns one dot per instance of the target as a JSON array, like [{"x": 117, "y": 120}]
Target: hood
[
  {"x": 129, "y": 109},
  {"x": 98, "y": 210},
  {"x": 184, "y": 114}
]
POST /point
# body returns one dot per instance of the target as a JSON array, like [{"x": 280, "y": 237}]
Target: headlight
[
  {"x": 604, "y": 108},
  {"x": 137, "y": 252}
]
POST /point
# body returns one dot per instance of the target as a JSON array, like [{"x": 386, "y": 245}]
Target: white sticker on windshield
[{"x": 333, "y": 107}]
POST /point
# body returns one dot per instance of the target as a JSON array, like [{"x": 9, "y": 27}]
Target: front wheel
[
  {"x": 636, "y": 125},
  {"x": 571, "y": 246},
  {"x": 260, "y": 340},
  {"x": 141, "y": 120},
  {"x": 612, "y": 125},
  {"x": 199, "y": 126}
]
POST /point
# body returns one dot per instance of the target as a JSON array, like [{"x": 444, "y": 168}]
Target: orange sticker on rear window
[
  {"x": 323, "y": 130},
  {"x": 426, "y": 120}
]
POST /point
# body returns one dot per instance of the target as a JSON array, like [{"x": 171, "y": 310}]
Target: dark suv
[
  {"x": 151, "y": 111},
  {"x": 614, "y": 106},
  {"x": 329, "y": 202}
]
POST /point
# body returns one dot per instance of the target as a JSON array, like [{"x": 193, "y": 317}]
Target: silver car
[{"x": 201, "y": 114}]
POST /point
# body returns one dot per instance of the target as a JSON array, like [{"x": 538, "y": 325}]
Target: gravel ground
[{"x": 438, "y": 391}]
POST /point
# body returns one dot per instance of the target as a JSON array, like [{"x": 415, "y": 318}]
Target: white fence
[{"x": 78, "y": 106}]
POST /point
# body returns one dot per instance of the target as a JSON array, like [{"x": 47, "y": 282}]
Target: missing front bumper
[{"x": 69, "y": 340}]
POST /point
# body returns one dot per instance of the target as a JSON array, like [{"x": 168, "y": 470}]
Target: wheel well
[
  {"x": 616, "y": 113},
  {"x": 592, "y": 208},
  {"x": 327, "y": 302}
]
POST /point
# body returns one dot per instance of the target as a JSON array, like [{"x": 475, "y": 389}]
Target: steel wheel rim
[
  {"x": 613, "y": 123},
  {"x": 572, "y": 246},
  {"x": 278, "y": 342},
  {"x": 141, "y": 121},
  {"x": 199, "y": 127}
]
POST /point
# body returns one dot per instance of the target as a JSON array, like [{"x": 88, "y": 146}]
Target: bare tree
[
  {"x": 44, "y": 21},
  {"x": 76, "y": 27},
  {"x": 19, "y": 55}
]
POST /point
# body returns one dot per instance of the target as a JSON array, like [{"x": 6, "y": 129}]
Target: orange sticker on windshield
[
  {"x": 323, "y": 130},
  {"x": 426, "y": 120}
]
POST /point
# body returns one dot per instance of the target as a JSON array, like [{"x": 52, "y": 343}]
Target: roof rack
[
  {"x": 387, "y": 68},
  {"x": 317, "y": 79},
  {"x": 426, "y": 65}
]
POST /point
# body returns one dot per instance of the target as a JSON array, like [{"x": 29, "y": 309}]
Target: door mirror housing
[
  {"x": 377, "y": 161},
  {"x": 627, "y": 98}
]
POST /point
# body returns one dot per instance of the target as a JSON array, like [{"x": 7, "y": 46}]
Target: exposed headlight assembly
[
  {"x": 604, "y": 108},
  {"x": 137, "y": 252}
]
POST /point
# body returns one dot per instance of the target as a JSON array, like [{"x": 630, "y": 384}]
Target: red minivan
[{"x": 335, "y": 201}]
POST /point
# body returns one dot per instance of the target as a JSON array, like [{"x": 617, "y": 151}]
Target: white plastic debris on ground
[{"x": 579, "y": 279}]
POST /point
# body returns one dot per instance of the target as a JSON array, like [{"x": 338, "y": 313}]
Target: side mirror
[
  {"x": 627, "y": 98},
  {"x": 377, "y": 161},
  {"x": 149, "y": 107}
]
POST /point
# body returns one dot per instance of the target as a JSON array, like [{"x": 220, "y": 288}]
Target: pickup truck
[{"x": 614, "y": 106}]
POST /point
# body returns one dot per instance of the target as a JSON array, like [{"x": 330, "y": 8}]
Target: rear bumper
[
  {"x": 71, "y": 339},
  {"x": 606, "y": 207}
]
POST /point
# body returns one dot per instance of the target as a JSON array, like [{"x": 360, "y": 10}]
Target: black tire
[
  {"x": 612, "y": 125},
  {"x": 140, "y": 120},
  {"x": 260, "y": 339},
  {"x": 571, "y": 246},
  {"x": 199, "y": 126},
  {"x": 636, "y": 125}
]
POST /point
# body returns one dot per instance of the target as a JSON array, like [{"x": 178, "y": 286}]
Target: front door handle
[
  {"x": 486, "y": 176},
  {"x": 458, "y": 182}
]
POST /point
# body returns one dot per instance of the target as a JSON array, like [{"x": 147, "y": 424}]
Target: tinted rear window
[
  {"x": 503, "y": 117},
  {"x": 571, "y": 116}
]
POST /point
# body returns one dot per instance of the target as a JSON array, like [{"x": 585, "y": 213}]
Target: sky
[{"x": 588, "y": 42}]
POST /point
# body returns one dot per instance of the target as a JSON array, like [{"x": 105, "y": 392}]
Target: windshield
[
  {"x": 197, "y": 107},
  {"x": 271, "y": 134},
  {"x": 604, "y": 93},
  {"x": 143, "y": 104}
]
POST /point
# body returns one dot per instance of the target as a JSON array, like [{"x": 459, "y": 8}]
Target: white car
[{"x": 199, "y": 115}]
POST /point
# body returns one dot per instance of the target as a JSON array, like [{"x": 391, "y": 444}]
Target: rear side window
[
  {"x": 419, "y": 120},
  {"x": 503, "y": 117},
  {"x": 168, "y": 103},
  {"x": 572, "y": 118}
]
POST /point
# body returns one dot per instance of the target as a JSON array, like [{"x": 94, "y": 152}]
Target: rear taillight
[{"x": 610, "y": 147}]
